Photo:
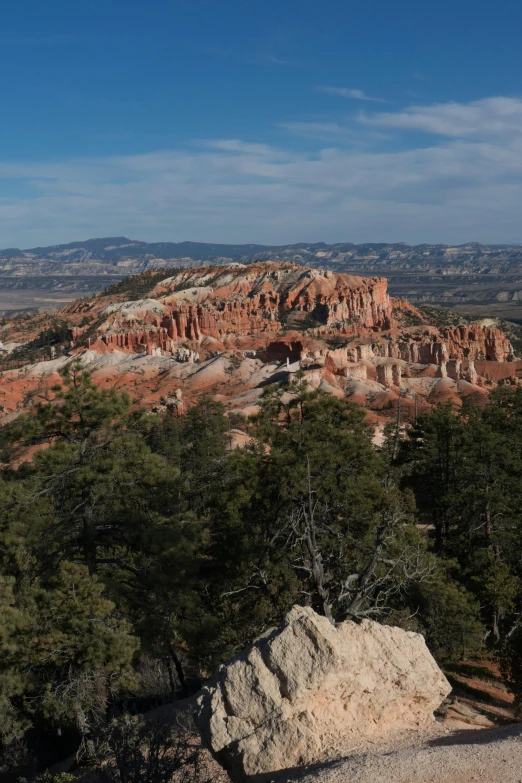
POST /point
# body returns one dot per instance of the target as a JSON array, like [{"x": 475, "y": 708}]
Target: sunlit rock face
[
  {"x": 308, "y": 686},
  {"x": 231, "y": 330}
]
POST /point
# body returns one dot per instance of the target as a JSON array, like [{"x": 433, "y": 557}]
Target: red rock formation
[
  {"x": 282, "y": 350},
  {"x": 478, "y": 342},
  {"x": 428, "y": 345},
  {"x": 242, "y": 300},
  {"x": 221, "y": 329},
  {"x": 263, "y": 297},
  {"x": 389, "y": 374},
  {"x": 497, "y": 371}
]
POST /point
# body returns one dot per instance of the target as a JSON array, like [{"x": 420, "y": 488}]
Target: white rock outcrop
[{"x": 307, "y": 687}]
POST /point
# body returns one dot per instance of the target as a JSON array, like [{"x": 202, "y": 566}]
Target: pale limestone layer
[{"x": 308, "y": 686}]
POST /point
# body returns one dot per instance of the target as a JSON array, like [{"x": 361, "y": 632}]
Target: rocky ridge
[
  {"x": 137, "y": 255},
  {"x": 232, "y": 330},
  {"x": 454, "y": 276},
  {"x": 241, "y": 300}
]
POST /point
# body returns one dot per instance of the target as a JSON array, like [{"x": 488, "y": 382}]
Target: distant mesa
[
  {"x": 232, "y": 330},
  {"x": 485, "y": 276}
]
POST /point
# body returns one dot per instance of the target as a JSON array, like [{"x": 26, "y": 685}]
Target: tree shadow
[
  {"x": 478, "y": 671},
  {"x": 464, "y": 737},
  {"x": 478, "y": 736},
  {"x": 293, "y": 774}
]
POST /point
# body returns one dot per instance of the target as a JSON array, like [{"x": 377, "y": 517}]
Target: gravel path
[{"x": 485, "y": 756}]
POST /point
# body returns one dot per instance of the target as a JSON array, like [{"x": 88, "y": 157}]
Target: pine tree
[
  {"x": 63, "y": 652},
  {"x": 310, "y": 514}
]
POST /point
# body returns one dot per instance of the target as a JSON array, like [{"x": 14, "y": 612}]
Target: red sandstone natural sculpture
[{"x": 233, "y": 329}]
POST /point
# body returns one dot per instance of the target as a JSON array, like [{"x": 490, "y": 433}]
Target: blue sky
[{"x": 275, "y": 122}]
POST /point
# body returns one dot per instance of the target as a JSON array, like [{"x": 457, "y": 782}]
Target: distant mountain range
[
  {"x": 115, "y": 248},
  {"x": 451, "y": 275},
  {"x": 111, "y": 250}
]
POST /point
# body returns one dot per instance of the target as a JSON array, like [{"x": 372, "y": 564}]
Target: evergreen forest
[{"x": 138, "y": 550}]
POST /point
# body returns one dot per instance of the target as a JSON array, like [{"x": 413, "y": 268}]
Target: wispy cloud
[
  {"x": 484, "y": 118},
  {"x": 317, "y": 130},
  {"x": 421, "y": 76},
  {"x": 340, "y": 134},
  {"x": 236, "y": 145},
  {"x": 345, "y": 92},
  {"x": 269, "y": 58},
  {"x": 462, "y": 181}
]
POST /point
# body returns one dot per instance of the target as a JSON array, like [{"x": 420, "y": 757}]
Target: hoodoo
[
  {"x": 235, "y": 300},
  {"x": 230, "y": 330}
]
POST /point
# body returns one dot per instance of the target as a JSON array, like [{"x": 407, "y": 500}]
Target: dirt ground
[
  {"x": 485, "y": 756},
  {"x": 457, "y": 750},
  {"x": 29, "y": 299}
]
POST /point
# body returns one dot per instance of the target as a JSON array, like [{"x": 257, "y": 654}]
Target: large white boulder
[{"x": 307, "y": 687}]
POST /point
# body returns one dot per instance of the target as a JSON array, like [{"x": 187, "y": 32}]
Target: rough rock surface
[
  {"x": 239, "y": 299},
  {"x": 286, "y": 699},
  {"x": 220, "y": 303},
  {"x": 232, "y": 330}
]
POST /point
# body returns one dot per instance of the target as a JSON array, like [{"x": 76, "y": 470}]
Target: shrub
[{"x": 139, "y": 750}]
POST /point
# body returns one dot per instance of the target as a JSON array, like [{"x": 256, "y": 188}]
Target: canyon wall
[{"x": 240, "y": 300}]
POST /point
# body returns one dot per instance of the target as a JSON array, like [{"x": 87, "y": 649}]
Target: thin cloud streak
[
  {"x": 318, "y": 130},
  {"x": 269, "y": 58},
  {"x": 484, "y": 118},
  {"x": 461, "y": 179},
  {"x": 344, "y": 92},
  {"x": 236, "y": 145}
]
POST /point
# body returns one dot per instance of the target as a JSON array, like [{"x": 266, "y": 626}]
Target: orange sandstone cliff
[{"x": 232, "y": 330}]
